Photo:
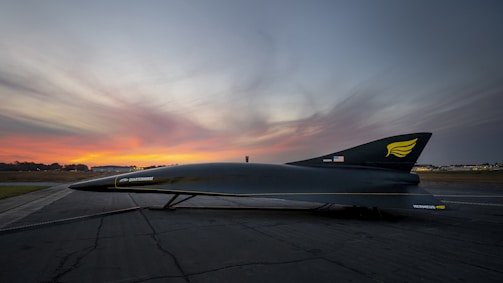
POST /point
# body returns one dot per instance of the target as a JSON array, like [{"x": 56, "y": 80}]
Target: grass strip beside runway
[
  {"x": 11, "y": 191},
  {"x": 50, "y": 176}
]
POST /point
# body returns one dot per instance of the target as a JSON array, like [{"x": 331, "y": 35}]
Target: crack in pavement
[
  {"x": 187, "y": 276},
  {"x": 245, "y": 264},
  {"x": 481, "y": 266},
  {"x": 303, "y": 249},
  {"x": 281, "y": 240},
  {"x": 145, "y": 279},
  {"x": 351, "y": 269},
  {"x": 85, "y": 252},
  {"x": 159, "y": 245},
  {"x": 257, "y": 263}
]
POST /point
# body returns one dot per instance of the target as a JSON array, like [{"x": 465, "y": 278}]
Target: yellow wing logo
[{"x": 401, "y": 149}]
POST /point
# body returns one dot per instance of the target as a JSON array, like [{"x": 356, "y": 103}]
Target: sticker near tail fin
[
  {"x": 397, "y": 152},
  {"x": 402, "y": 148}
]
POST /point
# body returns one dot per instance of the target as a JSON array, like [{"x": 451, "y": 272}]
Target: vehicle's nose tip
[
  {"x": 77, "y": 186},
  {"x": 94, "y": 185}
]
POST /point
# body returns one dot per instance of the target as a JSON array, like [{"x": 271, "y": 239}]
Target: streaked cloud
[{"x": 181, "y": 81}]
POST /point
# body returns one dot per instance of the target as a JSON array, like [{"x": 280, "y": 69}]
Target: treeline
[{"x": 32, "y": 166}]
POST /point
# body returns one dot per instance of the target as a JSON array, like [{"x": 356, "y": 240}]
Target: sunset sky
[{"x": 164, "y": 82}]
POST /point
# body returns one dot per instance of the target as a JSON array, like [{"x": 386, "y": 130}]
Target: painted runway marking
[
  {"x": 474, "y": 203},
  {"x": 16, "y": 213},
  {"x": 68, "y": 220},
  {"x": 469, "y": 196}
]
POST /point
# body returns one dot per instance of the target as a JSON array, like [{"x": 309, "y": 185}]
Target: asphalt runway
[{"x": 77, "y": 236}]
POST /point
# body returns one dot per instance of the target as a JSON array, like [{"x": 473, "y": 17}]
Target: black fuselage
[{"x": 326, "y": 185}]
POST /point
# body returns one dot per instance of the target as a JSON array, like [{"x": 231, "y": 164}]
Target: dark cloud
[
  {"x": 464, "y": 118},
  {"x": 20, "y": 84},
  {"x": 26, "y": 125}
]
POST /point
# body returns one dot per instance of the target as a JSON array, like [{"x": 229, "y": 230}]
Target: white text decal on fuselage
[{"x": 136, "y": 179}]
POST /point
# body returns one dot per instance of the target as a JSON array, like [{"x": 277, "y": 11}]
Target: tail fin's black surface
[{"x": 397, "y": 153}]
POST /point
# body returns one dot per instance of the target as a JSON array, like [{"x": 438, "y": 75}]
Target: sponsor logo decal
[
  {"x": 426, "y": 206},
  {"x": 401, "y": 149},
  {"x": 136, "y": 179}
]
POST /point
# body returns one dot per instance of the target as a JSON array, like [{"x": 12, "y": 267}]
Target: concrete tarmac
[{"x": 89, "y": 237}]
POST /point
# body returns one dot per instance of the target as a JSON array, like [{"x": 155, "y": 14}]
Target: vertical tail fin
[{"x": 397, "y": 153}]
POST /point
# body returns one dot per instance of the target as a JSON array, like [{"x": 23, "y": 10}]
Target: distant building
[
  {"x": 113, "y": 168},
  {"x": 459, "y": 167},
  {"x": 424, "y": 168}
]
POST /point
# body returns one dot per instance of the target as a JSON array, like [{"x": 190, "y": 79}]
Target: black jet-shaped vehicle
[{"x": 375, "y": 174}]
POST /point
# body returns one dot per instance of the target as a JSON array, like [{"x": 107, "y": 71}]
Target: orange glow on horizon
[
  {"x": 143, "y": 159},
  {"x": 124, "y": 152}
]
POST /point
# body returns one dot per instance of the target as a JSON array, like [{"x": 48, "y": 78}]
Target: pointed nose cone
[{"x": 100, "y": 184}]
